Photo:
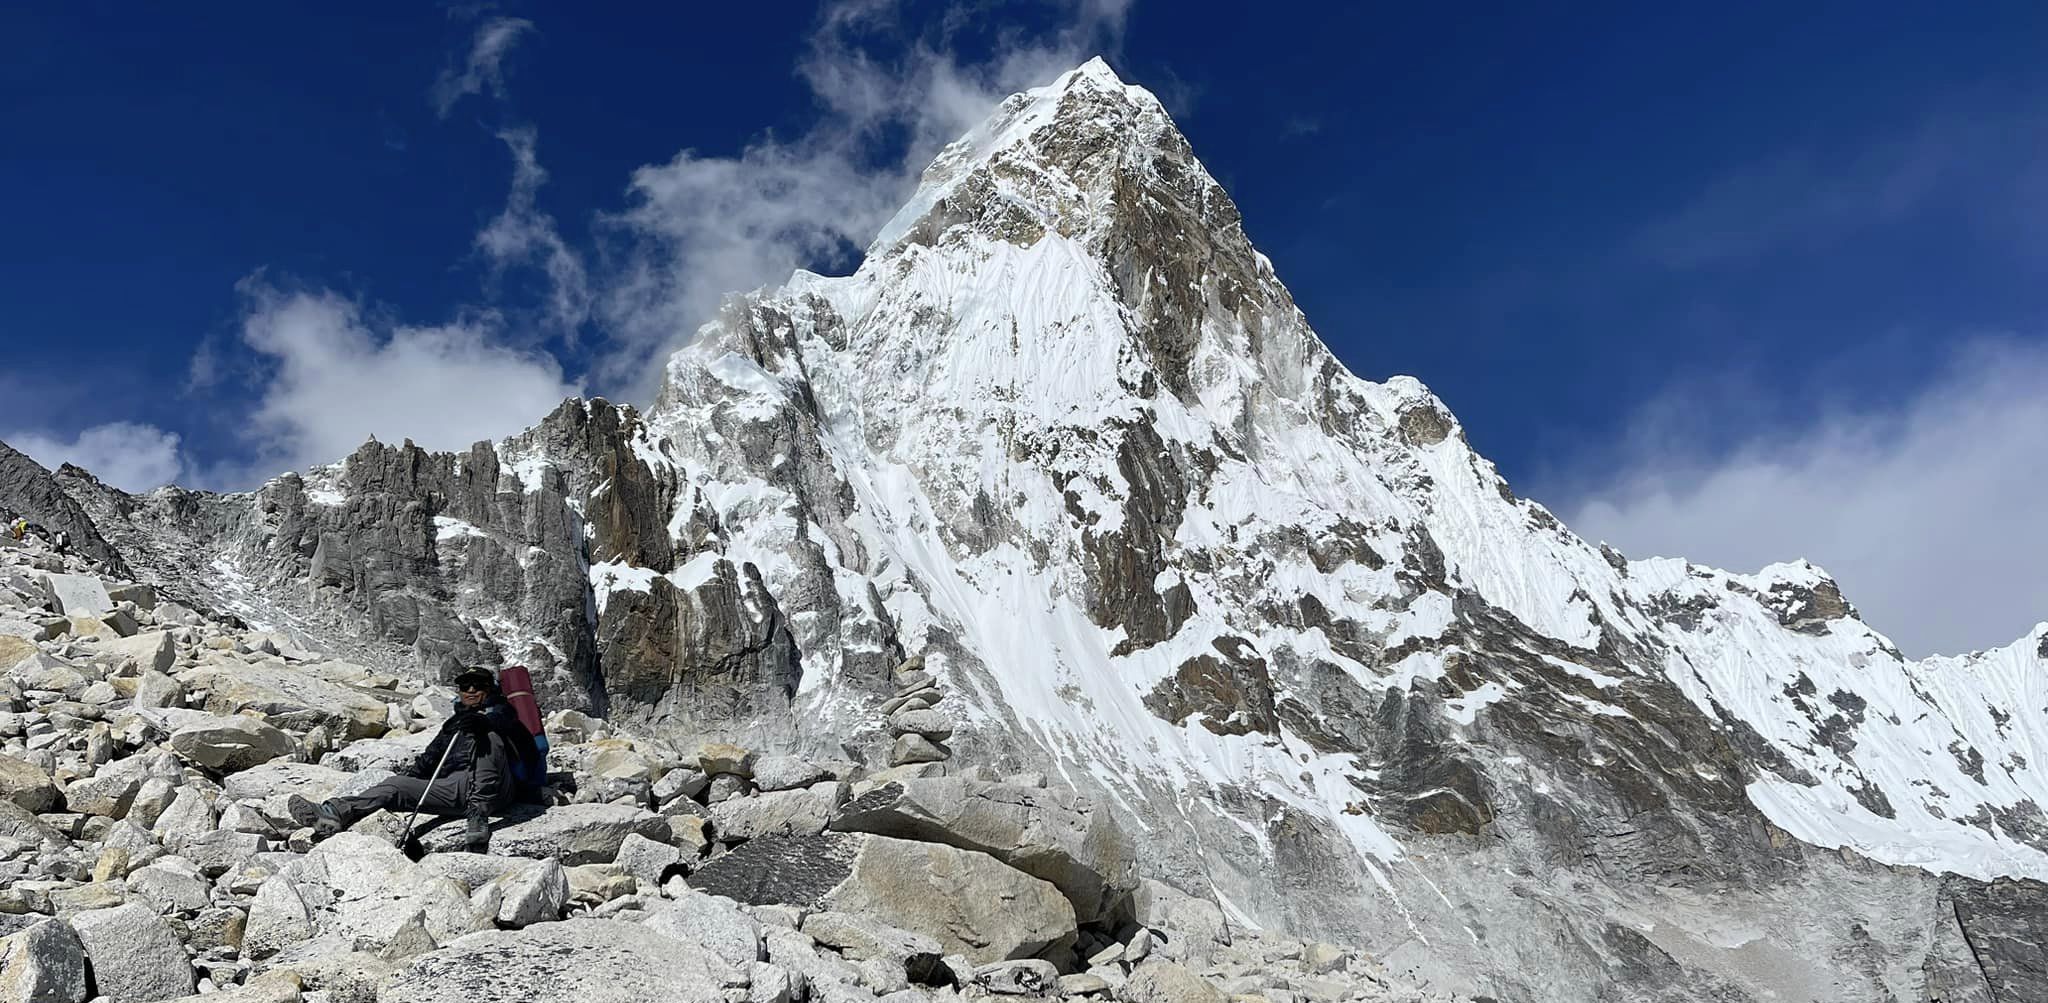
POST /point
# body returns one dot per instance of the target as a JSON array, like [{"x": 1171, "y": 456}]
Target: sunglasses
[{"x": 472, "y": 689}]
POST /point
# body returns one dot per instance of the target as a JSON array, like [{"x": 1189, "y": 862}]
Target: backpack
[{"x": 516, "y": 686}]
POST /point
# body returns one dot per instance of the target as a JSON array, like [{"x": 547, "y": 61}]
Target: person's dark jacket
[{"x": 503, "y": 722}]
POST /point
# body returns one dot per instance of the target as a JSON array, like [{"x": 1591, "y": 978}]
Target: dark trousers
[{"x": 485, "y": 783}]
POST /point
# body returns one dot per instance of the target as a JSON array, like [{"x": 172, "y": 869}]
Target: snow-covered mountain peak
[
  {"x": 1020, "y": 144},
  {"x": 1065, "y": 436}
]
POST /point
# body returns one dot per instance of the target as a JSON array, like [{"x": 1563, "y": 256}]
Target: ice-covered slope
[
  {"x": 1065, "y": 434},
  {"x": 1078, "y": 425}
]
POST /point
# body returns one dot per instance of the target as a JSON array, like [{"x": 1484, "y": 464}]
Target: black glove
[{"x": 472, "y": 721}]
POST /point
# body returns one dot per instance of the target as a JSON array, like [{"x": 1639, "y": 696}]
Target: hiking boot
[
  {"x": 326, "y": 822},
  {"x": 476, "y": 833}
]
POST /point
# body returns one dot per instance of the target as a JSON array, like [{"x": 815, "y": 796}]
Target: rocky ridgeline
[{"x": 159, "y": 773}]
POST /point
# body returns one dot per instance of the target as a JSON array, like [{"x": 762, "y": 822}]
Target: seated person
[{"x": 492, "y": 761}]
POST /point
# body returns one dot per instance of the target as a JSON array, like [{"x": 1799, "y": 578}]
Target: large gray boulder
[
  {"x": 78, "y": 595},
  {"x": 535, "y": 893},
  {"x": 135, "y": 956},
  {"x": 574, "y": 834},
  {"x": 27, "y": 785},
  {"x": 23, "y": 826},
  {"x": 270, "y": 987},
  {"x": 172, "y": 885},
  {"x": 787, "y": 773},
  {"x": 712, "y": 922},
  {"x": 364, "y": 890},
  {"x": 295, "y": 696},
  {"x": 110, "y": 790},
  {"x": 1047, "y": 833},
  {"x": 801, "y": 812},
  {"x": 581, "y": 961},
  {"x": 188, "y": 819},
  {"x": 43, "y": 964},
  {"x": 1196, "y": 925},
  {"x": 231, "y": 743},
  {"x": 158, "y": 690},
  {"x": 1159, "y": 981},
  {"x": 971, "y": 903},
  {"x": 314, "y": 783},
  {"x": 278, "y": 919},
  {"x": 154, "y": 651},
  {"x": 864, "y": 938},
  {"x": 646, "y": 859}
]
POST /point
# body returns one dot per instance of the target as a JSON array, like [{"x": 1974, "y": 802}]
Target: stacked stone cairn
[{"x": 159, "y": 770}]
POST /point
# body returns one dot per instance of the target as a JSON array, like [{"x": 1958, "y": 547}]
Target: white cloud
[
  {"x": 1929, "y": 514},
  {"x": 698, "y": 228},
  {"x": 484, "y": 69},
  {"x": 523, "y": 234},
  {"x": 335, "y": 377},
  {"x": 128, "y": 455}
]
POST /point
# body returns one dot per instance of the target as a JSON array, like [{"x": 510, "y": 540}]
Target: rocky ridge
[{"x": 158, "y": 772}]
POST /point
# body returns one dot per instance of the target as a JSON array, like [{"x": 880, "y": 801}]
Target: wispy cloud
[
  {"x": 1807, "y": 199},
  {"x": 483, "y": 71},
  {"x": 129, "y": 455},
  {"x": 523, "y": 234},
  {"x": 327, "y": 371},
  {"x": 1928, "y": 513}
]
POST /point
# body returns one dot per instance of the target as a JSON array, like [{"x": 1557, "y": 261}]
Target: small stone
[
  {"x": 1030, "y": 977},
  {"x": 646, "y": 859},
  {"x": 782, "y": 773},
  {"x": 1158, "y": 981},
  {"x": 217, "y": 928},
  {"x": 111, "y": 864},
  {"x": 27, "y": 785},
  {"x": 682, "y": 782},
  {"x": 914, "y": 748},
  {"x": 723, "y": 786},
  {"x": 169, "y": 887},
  {"x": 723, "y": 757},
  {"x": 1139, "y": 947},
  {"x": 1322, "y": 959},
  {"x": 931, "y": 724},
  {"x": 155, "y": 797},
  {"x": 1083, "y": 984}
]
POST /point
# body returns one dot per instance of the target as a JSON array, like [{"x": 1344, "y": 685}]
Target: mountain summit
[{"x": 1065, "y": 438}]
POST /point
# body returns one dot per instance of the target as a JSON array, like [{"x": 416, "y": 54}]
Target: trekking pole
[{"x": 405, "y": 841}]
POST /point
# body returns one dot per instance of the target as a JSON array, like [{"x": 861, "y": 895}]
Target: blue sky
[{"x": 1746, "y": 285}]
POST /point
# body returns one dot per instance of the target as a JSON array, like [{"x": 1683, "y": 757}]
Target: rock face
[
  {"x": 189, "y": 874},
  {"x": 1066, "y": 438},
  {"x": 971, "y": 903},
  {"x": 29, "y": 491}
]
